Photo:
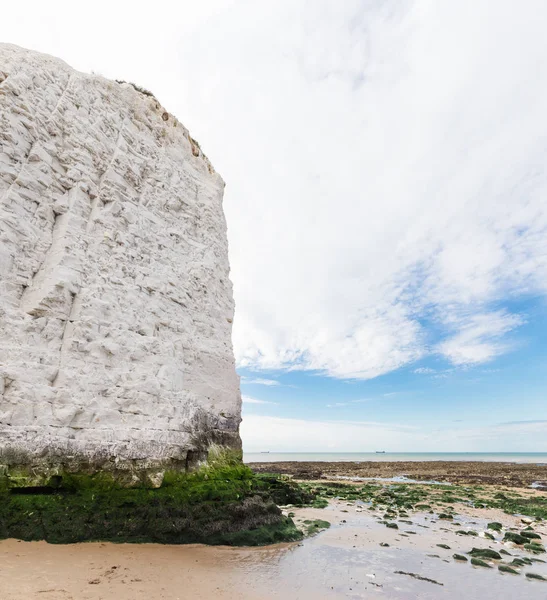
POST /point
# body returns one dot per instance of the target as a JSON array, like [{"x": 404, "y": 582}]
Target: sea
[{"x": 539, "y": 458}]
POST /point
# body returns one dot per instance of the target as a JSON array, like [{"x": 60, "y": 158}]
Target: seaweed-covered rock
[
  {"x": 535, "y": 576},
  {"x": 460, "y": 557},
  {"x": 477, "y": 562},
  {"x": 392, "y": 526},
  {"x": 531, "y": 535},
  {"x": 485, "y": 553},
  {"x": 222, "y": 504},
  {"x": 535, "y": 548},
  {"x": 495, "y": 526},
  {"x": 516, "y": 538},
  {"x": 507, "y": 569},
  {"x": 445, "y": 546}
]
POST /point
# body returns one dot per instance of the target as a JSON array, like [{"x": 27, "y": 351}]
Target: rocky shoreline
[{"x": 470, "y": 473}]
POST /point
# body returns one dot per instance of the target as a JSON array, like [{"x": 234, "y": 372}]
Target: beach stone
[
  {"x": 485, "y": 553},
  {"x": 535, "y": 548},
  {"x": 507, "y": 569},
  {"x": 516, "y": 538},
  {"x": 460, "y": 557},
  {"x": 116, "y": 305},
  {"x": 477, "y": 562}
]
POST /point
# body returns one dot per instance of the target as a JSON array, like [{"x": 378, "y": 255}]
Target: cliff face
[{"x": 115, "y": 299}]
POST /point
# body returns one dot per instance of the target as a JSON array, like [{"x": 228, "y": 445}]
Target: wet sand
[
  {"x": 345, "y": 561},
  {"x": 489, "y": 473}
]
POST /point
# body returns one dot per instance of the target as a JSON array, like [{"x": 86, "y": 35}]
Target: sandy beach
[{"x": 358, "y": 556}]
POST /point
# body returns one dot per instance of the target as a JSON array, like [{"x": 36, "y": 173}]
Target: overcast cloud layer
[{"x": 385, "y": 162}]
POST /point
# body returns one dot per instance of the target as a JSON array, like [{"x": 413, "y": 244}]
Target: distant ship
[
  {"x": 380, "y": 451},
  {"x": 265, "y": 452}
]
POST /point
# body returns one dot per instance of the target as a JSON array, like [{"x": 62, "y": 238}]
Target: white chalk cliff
[{"x": 116, "y": 306}]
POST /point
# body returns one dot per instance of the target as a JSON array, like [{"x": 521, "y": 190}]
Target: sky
[{"x": 386, "y": 203}]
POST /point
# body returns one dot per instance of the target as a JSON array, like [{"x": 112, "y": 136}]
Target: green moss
[
  {"x": 507, "y": 569},
  {"x": 535, "y": 576},
  {"x": 495, "y": 526},
  {"x": 485, "y": 553},
  {"x": 477, "y": 562},
  {"x": 535, "y": 548},
  {"x": 531, "y": 535},
  {"x": 316, "y": 526},
  {"x": 516, "y": 538},
  {"x": 220, "y": 503}
]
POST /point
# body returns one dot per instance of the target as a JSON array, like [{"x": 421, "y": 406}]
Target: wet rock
[
  {"x": 495, "y": 526},
  {"x": 516, "y": 538},
  {"x": 535, "y": 548},
  {"x": 485, "y": 553},
  {"x": 384, "y": 545},
  {"x": 460, "y": 557},
  {"x": 535, "y": 576},
  {"x": 531, "y": 535},
  {"x": 477, "y": 562},
  {"x": 445, "y": 546},
  {"x": 507, "y": 569},
  {"x": 503, "y": 551},
  {"x": 392, "y": 526}
]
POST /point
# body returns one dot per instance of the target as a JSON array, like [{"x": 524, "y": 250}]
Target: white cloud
[
  {"x": 385, "y": 162},
  {"x": 268, "y": 382},
  {"x": 480, "y": 338},
  {"x": 424, "y": 371},
  {"x": 337, "y": 404},
  {"x": 249, "y": 400}
]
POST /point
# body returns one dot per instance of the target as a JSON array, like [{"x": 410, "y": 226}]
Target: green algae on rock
[
  {"x": 508, "y": 569},
  {"x": 315, "y": 526},
  {"x": 222, "y": 502},
  {"x": 495, "y": 526},
  {"x": 477, "y": 562},
  {"x": 459, "y": 557},
  {"x": 516, "y": 538},
  {"x": 535, "y": 548},
  {"x": 485, "y": 553}
]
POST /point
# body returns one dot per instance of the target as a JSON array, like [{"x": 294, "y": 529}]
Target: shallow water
[{"x": 345, "y": 561}]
